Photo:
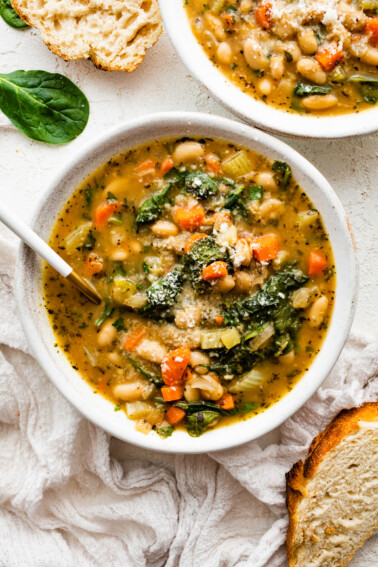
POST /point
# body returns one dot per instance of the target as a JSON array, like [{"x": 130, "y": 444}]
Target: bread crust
[
  {"x": 156, "y": 29},
  {"x": 345, "y": 423}
]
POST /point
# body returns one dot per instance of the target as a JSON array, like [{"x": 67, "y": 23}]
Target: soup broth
[
  {"x": 217, "y": 279},
  {"x": 306, "y": 56}
]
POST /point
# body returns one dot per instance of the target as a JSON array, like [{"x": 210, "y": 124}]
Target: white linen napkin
[{"x": 65, "y": 500}]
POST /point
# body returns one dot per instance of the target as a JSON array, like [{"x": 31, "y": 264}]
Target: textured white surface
[{"x": 162, "y": 83}]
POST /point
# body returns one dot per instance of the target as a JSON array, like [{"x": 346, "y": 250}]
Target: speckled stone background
[{"x": 162, "y": 83}]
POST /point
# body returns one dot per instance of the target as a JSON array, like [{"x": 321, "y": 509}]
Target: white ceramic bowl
[
  {"x": 39, "y": 332},
  {"x": 245, "y": 106}
]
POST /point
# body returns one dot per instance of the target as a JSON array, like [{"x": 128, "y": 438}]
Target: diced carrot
[
  {"x": 229, "y": 20},
  {"x": 265, "y": 247},
  {"x": 215, "y": 270},
  {"x": 317, "y": 263},
  {"x": 133, "y": 338},
  {"x": 226, "y": 402},
  {"x": 145, "y": 167},
  {"x": 213, "y": 162},
  {"x": 192, "y": 239},
  {"x": 101, "y": 385},
  {"x": 174, "y": 365},
  {"x": 263, "y": 15},
  {"x": 103, "y": 213},
  {"x": 171, "y": 393},
  {"x": 329, "y": 56},
  {"x": 189, "y": 218},
  {"x": 219, "y": 320},
  {"x": 175, "y": 415},
  {"x": 94, "y": 264},
  {"x": 166, "y": 165},
  {"x": 372, "y": 31}
]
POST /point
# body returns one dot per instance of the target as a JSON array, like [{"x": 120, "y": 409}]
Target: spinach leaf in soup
[
  {"x": 202, "y": 253},
  {"x": 165, "y": 431},
  {"x": 197, "y": 423},
  {"x": 152, "y": 208},
  {"x": 44, "y": 106},
  {"x": 304, "y": 89},
  {"x": 10, "y": 16},
  {"x": 285, "y": 170},
  {"x": 201, "y": 185},
  {"x": 163, "y": 293}
]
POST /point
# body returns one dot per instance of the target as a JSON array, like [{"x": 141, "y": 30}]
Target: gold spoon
[{"x": 52, "y": 258}]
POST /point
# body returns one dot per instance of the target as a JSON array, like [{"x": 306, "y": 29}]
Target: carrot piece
[
  {"x": 317, "y": 263},
  {"x": 171, "y": 393},
  {"x": 94, "y": 264},
  {"x": 213, "y": 162},
  {"x": 174, "y": 365},
  {"x": 372, "y": 30},
  {"x": 265, "y": 247},
  {"x": 103, "y": 213},
  {"x": 189, "y": 218},
  {"x": 133, "y": 338},
  {"x": 192, "y": 239},
  {"x": 166, "y": 165},
  {"x": 219, "y": 320},
  {"x": 145, "y": 167},
  {"x": 215, "y": 270},
  {"x": 226, "y": 402},
  {"x": 175, "y": 415},
  {"x": 329, "y": 56},
  {"x": 263, "y": 15},
  {"x": 229, "y": 20}
]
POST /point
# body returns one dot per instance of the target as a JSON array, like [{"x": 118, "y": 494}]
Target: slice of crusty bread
[
  {"x": 114, "y": 34},
  {"x": 332, "y": 497}
]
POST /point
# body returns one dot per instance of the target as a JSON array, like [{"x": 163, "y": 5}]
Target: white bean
[
  {"x": 307, "y": 41},
  {"x": 187, "y": 151},
  {"x": 151, "y": 350},
  {"x": 216, "y": 27},
  {"x": 197, "y": 358},
  {"x": 319, "y": 102},
  {"x": 277, "y": 67},
  {"x": 317, "y": 311},
  {"x": 271, "y": 209},
  {"x": 301, "y": 298},
  {"x": 191, "y": 394},
  {"x": 267, "y": 180},
  {"x": 128, "y": 392},
  {"x": 225, "y": 284},
  {"x": 224, "y": 53},
  {"x": 143, "y": 426},
  {"x": 255, "y": 55},
  {"x": 243, "y": 254},
  {"x": 311, "y": 70},
  {"x": 243, "y": 282},
  {"x": 264, "y": 86},
  {"x": 107, "y": 334},
  {"x": 370, "y": 57},
  {"x": 164, "y": 229}
]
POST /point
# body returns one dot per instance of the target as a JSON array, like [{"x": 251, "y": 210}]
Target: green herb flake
[
  {"x": 288, "y": 56},
  {"x": 146, "y": 268},
  {"x": 119, "y": 324},
  {"x": 117, "y": 407},
  {"x": 108, "y": 310},
  {"x": 165, "y": 431}
]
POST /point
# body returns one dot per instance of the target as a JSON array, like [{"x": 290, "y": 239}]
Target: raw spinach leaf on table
[
  {"x": 10, "y": 16},
  {"x": 45, "y": 106}
]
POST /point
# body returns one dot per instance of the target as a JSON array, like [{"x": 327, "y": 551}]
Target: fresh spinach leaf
[
  {"x": 201, "y": 185},
  {"x": 45, "y": 106},
  {"x": 108, "y": 310},
  {"x": 304, "y": 89},
  {"x": 163, "y": 293},
  {"x": 246, "y": 407},
  {"x": 197, "y": 423},
  {"x": 369, "y": 92},
  {"x": 233, "y": 198},
  {"x": 89, "y": 242},
  {"x": 165, "y": 431},
  {"x": 285, "y": 169},
  {"x": 152, "y": 207},
  {"x": 10, "y": 16}
]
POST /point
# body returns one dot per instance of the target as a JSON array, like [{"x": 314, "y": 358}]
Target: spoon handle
[{"x": 34, "y": 241}]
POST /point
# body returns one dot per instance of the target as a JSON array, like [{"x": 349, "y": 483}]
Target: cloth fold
[{"x": 70, "y": 495}]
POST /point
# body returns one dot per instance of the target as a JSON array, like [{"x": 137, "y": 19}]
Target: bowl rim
[
  {"x": 53, "y": 363},
  {"x": 245, "y": 106}
]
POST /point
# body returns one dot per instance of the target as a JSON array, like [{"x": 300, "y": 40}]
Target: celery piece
[
  {"x": 211, "y": 339},
  {"x": 368, "y": 4},
  {"x": 77, "y": 238},
  {"x": 237, "y": 165},
  {"x": 218, "y": 6},
  {"x": 248, "y": 381},
  {"x": 122, "y": 289},
  {"x": 230, "y": 337}
]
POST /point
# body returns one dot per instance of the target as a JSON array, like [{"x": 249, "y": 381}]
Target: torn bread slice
[
  {"x": 114, "y": 34},
  {"x": 332, "y": 497}
]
